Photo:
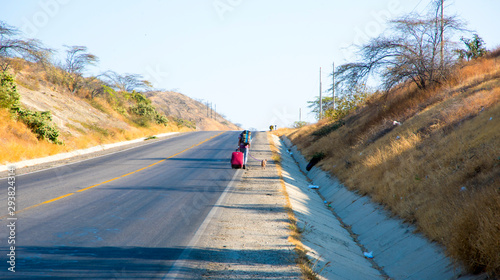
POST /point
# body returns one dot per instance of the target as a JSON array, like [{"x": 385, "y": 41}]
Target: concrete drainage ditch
[{"x": 397, "y": 250}]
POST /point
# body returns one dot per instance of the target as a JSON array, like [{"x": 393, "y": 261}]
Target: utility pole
[
  {"x": 320, "y": 97},
  {"x": 300, "y": 114},
  {"x": 333, "y": 85},
  {"x": 215, "y": 115},
  {"x": 442, "y": 35}
]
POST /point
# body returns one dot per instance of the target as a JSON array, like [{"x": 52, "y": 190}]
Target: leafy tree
[
  {"x": 347, "y": 101},
  {"x": 474, "y": 48},
  {"x": 409, "y": 51},
  {"x": 314, "y": 105}
]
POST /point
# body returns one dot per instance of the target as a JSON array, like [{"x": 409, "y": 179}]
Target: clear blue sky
[{"x": 257, "y": 60}]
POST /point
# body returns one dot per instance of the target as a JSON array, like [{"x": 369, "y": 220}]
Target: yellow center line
[
  {"x": 45, "y": 202},
  {"x": 105, "y": 182}
]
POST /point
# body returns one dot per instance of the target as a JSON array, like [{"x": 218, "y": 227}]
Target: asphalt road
[{"x": 124, "y": 215}]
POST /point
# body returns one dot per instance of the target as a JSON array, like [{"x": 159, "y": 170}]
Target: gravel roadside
[
  {"x": 248, "y": 237},
  {"x": 272, "y": 225}
]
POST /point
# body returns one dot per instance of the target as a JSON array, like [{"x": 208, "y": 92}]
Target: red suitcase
[{"x": 237, "y": 160}]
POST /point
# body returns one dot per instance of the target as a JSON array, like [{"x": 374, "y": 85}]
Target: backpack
[{"x": 246, "y": 137}]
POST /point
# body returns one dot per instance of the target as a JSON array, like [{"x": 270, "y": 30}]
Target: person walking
[{"x": 244, "y": 142}]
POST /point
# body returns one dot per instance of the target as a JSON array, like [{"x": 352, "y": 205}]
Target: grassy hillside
[
  {"x": 80, "y": 119},
  {"x": 439, "y": 168}
]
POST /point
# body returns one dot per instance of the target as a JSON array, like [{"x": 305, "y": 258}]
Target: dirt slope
[
  {"x": 180, "y": 106},
  {"x": 68, "y": 112}
]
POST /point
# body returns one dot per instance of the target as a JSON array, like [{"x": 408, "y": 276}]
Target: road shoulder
[
  {"x": 248, "y": 237},
  {"x": 332, "y": 251},
  {"x": 251, "y": 236}
]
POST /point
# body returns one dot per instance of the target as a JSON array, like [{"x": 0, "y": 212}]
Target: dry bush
[{"x": 439, "y": 169}]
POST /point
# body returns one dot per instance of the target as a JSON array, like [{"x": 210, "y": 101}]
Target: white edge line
[
  {"x": 181, "y": 260},
  {"x": 176, "y": 134},
  {"x": 66, "y": 155}
]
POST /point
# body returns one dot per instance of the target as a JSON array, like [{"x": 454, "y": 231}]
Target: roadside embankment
[
  {"x": 332, "y": 250},
  {"x": 402, "y": 253}
]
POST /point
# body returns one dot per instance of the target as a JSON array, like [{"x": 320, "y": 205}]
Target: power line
[
  {"x": 416, "y": 6},
  {"x": 428, "y": 5}
]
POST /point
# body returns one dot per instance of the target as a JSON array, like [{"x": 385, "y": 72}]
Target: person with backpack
[{"x": 244, "y": 142}]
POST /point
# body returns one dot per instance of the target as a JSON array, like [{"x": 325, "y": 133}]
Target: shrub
[
  {"x": 185, "y": 123},
  {"x": 38, "y": 123},
  {"x": 161, "y": 119},
  {"x": 144, "y": 110},
  {"x": 300, "y": 124},
  {"x": 8, "y": 91}
]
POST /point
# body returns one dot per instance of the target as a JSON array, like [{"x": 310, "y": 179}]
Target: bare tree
[
  {"x": 77, "y": 59},
  {"x": 127, "y": 82},
  {"x": 411, "y": 52},
  {"x": 12, "y": 45}
]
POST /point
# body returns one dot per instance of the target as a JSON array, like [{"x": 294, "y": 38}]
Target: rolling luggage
[{"x": 237, "y": 160}]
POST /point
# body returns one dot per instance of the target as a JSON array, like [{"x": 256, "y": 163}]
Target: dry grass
[
  {"x": 439, "y": 169},
  {"x": 18, "y": 143},
  {"x": 101, "y": 135}
]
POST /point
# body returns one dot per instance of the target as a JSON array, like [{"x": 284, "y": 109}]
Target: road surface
[{"x": 124, "y": 215}]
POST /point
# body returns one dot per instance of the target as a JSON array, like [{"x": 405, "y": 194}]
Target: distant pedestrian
[
  {"x": 271, "y": 128},
  {"x": 244, "y": 142}
]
